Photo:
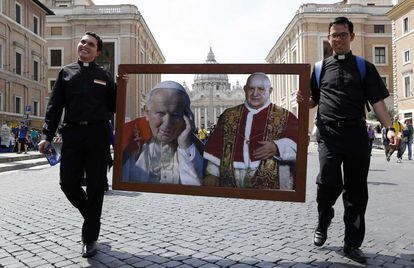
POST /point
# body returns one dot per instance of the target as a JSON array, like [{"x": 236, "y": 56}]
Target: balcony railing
[
  {"x": 343, "y": 9},
  {"x": 97, "y": 10}
]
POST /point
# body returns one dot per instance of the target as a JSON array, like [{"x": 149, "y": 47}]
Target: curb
[
  {"x": 21, "y": 157},
  {"x": 17, "y": 165}
]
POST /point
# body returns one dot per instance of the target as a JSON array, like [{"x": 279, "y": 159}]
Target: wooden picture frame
[{"x": 297, "y": 195}]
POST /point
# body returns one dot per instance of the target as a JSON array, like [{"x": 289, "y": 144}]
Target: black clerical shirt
[
  {"x": 85, "y": 91},
  {"x": 342, "y": 93}
]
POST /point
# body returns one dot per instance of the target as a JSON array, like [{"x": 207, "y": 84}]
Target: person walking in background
[
  {"x": 34, "y": 136},
  {"x": 87, "y": 93},
  {"x": 12, "y": 141},
  {"x": 23, "y": 137},
  {"x": 396, "y": 145},
  {"x": 340, "y": 92},
  {"x": 407, "y": 138},
  {"x": 371, "y": 137}
]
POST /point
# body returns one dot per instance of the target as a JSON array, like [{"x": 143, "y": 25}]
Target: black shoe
[
  {"x": 355, "y": 254},
  {"x": 89, "y": 250},
  {"x": 320, "y": 236}
]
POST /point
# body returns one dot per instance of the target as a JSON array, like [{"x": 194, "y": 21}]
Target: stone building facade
[
  {"x": 402, "y": 16},
  {"x": 211, "y": 94},
  {"x": 126, "y": 36},
  {"x": 23, "y": 61},
  {"x": 305, "y": 41}
]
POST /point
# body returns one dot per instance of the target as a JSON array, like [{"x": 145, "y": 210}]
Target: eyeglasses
[{"x": 342, "y": 35}]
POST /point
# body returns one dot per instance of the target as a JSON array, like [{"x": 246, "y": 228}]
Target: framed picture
[{"x": 138, "y": 164}]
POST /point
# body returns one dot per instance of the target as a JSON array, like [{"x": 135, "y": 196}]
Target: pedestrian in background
[
  {"x": 87, "y": 93},
  {"x": 23, "y": 137},
  {"x": 34, "y": 137},
  {"x": 12, "y": 141},
  {"x": 407, "y": 138},
  {"x": 371, "y": 137},
  {"x": 396, "y": 144}
]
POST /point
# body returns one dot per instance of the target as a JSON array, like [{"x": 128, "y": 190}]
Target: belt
[
  {"x": 345, "y": 123},
  {"x": 86, "y": 123}
]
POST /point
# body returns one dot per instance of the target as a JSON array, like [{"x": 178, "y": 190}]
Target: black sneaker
[
  {"x": 320, "y": 236},
  {"x": 89, "y": 250},
  {"x": 355, "y": 254}
]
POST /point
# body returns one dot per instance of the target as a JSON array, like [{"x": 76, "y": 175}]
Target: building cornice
[
  {"x": 404, "y": 36},
  {"x": 26, "y": 30},
  {"x": 327, "y": 11},
  {"x": 119, "y": 13},
  {"x": 142, "y": 20},
  {"x": 45, "y": 8},
  {"x": 400, "y": 9}
]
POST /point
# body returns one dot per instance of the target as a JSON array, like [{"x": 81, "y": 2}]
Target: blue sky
[{"x": 239, "y": 31}]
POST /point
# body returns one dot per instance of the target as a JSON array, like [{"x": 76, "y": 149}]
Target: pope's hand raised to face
[{"x": 184, "y": 139}]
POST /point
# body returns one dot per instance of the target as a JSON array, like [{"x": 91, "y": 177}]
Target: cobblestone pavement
[{"x": 39, "y": 228}]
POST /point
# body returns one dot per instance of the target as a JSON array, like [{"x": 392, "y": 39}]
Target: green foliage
[{"x": 372, "y": 116}]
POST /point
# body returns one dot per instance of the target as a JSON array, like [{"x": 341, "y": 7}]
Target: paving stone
[{"x": 189, "y": 231}]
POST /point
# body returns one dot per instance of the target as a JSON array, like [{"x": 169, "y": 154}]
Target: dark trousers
[
  {"x": 344, "y": 163},
  {"x": 85, "y": 148}
]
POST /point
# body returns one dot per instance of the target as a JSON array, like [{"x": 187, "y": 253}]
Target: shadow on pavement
[
  {"x": 381, "y": 183},
  {"x": 112, "y": 258},
  {"x": 122, "y": 193},
  {"x": 37, "y": 168},
  {"x": 377, "y": 170}
]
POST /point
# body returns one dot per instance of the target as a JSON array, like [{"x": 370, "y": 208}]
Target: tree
[{"x": 372, "y": 116}]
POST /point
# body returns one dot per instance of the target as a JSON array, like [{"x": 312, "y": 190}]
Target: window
[
  {"x": 1, "y": 56},
  {"x": 379, "y": 28},
  {"x": 36, "y": 25},
  {"x": 55, "y": 58},
  {"x": 295, "y": 110},
  {"x": 380, "y": 55},
  {"x": 1, "y": 101},
  {"x": 283, "y": 89},
  {"x": 18, "y": 13},
  {"x": 294, "y": 87},
  {"x": 384, "y": 80},
  {"x": 18, "y": 105},
  {"x": 35, "y": 108},
  {"x": 35, "y": 70},
  {"x": 142, "y": 76},
  {"x": 18, "y": 69},
  {"x": 56, "y": 30},
  {"x": 405, "y": 25},
  {"x": 294, "y": 60},
  {"x": 406, "y": 56},
  {"x": 46, "y": 101},
  {"x": 408, "y": 115},
  {"x": 51, "y": 84},
  {"x": 407, "y": 86}
]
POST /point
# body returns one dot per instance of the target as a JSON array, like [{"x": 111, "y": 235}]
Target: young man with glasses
[{"x": 341, "y": 94}]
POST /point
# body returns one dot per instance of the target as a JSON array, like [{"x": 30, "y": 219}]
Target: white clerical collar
[{"x": 255, "y": 111}]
